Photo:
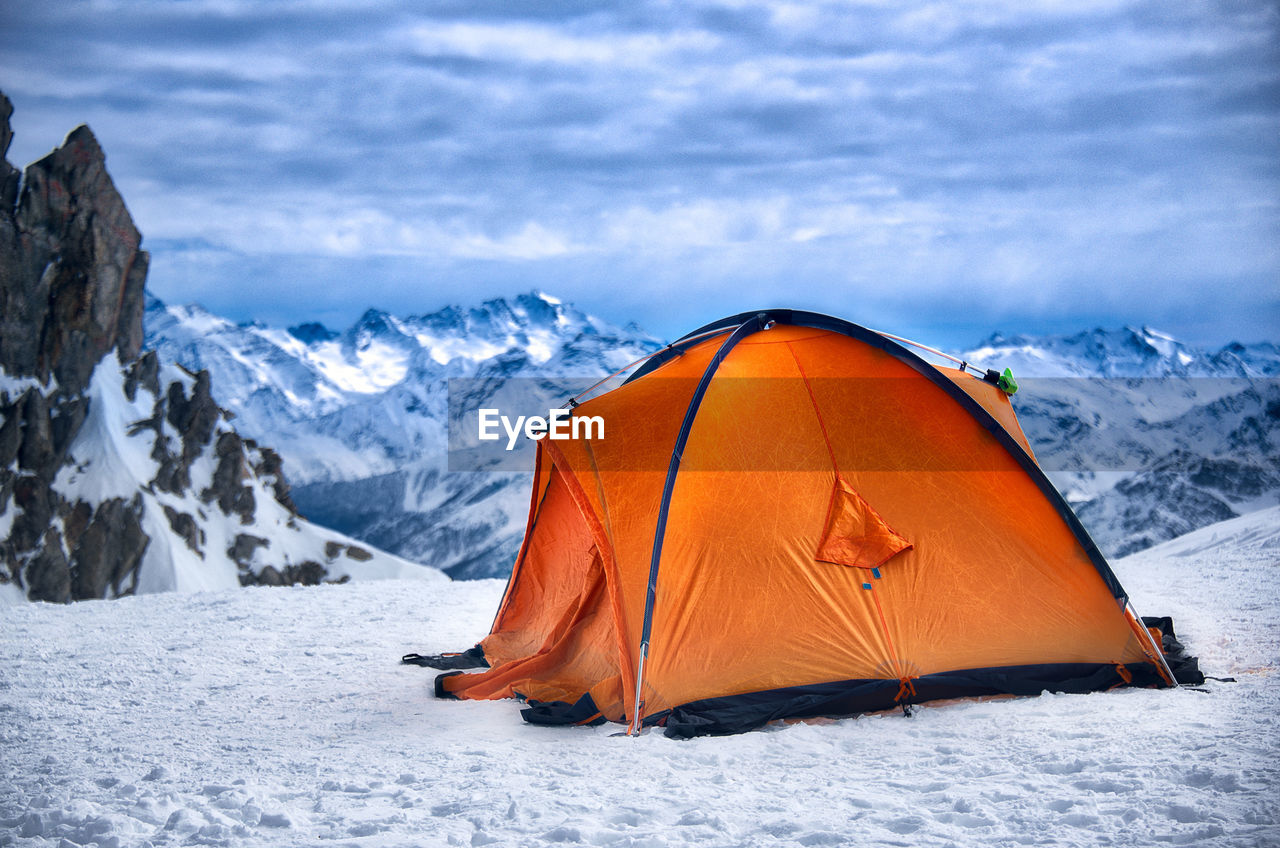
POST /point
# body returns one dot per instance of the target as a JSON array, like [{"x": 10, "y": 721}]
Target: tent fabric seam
[{"x": 822, "y": 424}]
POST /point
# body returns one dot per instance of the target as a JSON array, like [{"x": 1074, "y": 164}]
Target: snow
[
  {"x": 377, "y": 367},
  {"x": 15, "y": 387},
  {"x": 10, "y": 595},
  {"x": 540, "y": 347},
  {"x": 1164, "y": 344},
  {"x": 444, "y": 350},
  {"x": 1222, "y": 582},
  {"x": 105, "y": 462},
  {"x": 280, "y": 717},
  {"x": 198, "y": 320}
]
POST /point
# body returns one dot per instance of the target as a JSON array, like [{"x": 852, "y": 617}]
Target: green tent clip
[{"x": 1006, "y": 383}]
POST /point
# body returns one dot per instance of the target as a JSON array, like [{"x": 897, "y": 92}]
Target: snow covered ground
[{"x": 266, "y": 717}]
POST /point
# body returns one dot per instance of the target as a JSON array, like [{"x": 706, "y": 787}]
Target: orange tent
[{"x": 790, "y": 516}]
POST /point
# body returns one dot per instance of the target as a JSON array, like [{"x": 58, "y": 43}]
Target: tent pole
[
  {"x": 1135, "y": 622},
  {"x": 746, "y": 328},
  {"x": 961, "y": 362},
  {"x": 634, "y": 727},
  {"x": 575, "y": 399}
]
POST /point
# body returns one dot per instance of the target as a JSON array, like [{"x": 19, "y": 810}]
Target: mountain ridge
[
  {"x": 1126, "y": 351},
  {"x": 383, "y": 437},
  {"x": 360, "y": 413}
]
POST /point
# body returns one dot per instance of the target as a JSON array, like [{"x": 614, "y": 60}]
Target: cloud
[
  {"x": 538, "y": 43},
  {"x": 1032, "y": 164}
]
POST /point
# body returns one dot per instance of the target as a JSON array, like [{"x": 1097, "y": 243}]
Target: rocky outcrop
[
  {"x": 271, "y": 467},
  {"x": 184, "y": 526},
  {"x": 72, "y": 271},
  {"x": 106, "y": 553},
  {"x": 227, "y": 488},
  {"x": 71, "y": 291},
  {"x": 78, "y": 517}
]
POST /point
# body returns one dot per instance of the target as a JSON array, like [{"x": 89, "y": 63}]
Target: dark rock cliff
[{"x": 72, "y": 276}]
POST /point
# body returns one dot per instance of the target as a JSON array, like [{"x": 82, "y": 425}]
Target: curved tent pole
[
  {"x": 746, "y": 328},
  {"x": 650, "y": 361},
  {"x": 656, "y": 359},
  {"x": 665, "y": 349},
  {"x": 963, "y": 363}
]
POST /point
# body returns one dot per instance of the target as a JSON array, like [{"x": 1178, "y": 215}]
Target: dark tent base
[
  {"x": 738, "y": 713},
  {"x": 843, "y": 698}
]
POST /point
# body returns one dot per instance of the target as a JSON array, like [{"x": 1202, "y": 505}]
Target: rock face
[
  {"x": 117, "y": 473},
  {"x": 71, "y": 290},
  {"x": 73, "y": 272}
]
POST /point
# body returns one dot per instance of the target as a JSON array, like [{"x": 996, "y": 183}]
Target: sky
[{"x": 940, "y": 170}]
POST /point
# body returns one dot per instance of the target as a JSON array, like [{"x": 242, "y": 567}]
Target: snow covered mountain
[
  {"x": 1148, "y": 437},
  {"x": 158, "y": 492},
  {"x": 1129, "y": 352},
  {"x": 119, "y": 474},
  {"x": 361, "y": 416}
]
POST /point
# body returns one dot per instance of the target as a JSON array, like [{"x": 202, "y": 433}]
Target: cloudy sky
[{"x": 937, "y": 169}]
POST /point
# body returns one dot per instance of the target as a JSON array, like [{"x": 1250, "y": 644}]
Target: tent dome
[{"x": 790, "y": 515}]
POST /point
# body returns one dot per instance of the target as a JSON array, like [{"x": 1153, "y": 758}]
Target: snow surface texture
[{"x": 279, "y": 717}]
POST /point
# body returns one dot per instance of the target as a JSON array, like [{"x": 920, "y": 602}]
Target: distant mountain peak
[
  {"x": 1129, "y": 351},
  {"x": 540, "y": 308},
  {"x": 312, "y": 332},
  {"x": 373, "y": 319}
]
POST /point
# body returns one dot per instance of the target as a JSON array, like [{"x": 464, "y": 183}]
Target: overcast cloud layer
[{"x": 936, "y": 169}]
